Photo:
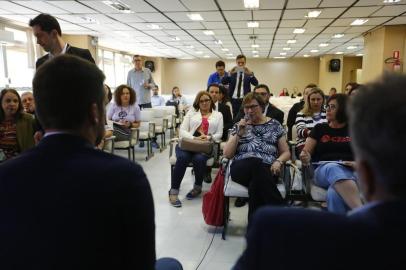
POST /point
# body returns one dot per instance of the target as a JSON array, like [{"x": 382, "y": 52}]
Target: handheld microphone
[{"x": 247, "y": 117}]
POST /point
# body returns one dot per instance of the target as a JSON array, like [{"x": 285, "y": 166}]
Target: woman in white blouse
[{"x": 200, "y": 123}]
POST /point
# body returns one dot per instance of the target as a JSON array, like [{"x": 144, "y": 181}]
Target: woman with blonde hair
[{"x": 312, "y": 114}]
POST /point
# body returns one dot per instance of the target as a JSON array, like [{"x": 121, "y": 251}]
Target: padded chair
[
  {"x": 108, "y": 144},
  {"x": 147, "y": 130},
  {"x": 129, "y": 144},
  {"x": 161, "y": 124},
  {"x": 236, "y": 190}
]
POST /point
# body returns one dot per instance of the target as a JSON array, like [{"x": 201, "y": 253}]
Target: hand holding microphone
[{"x": 243, "y": 124}]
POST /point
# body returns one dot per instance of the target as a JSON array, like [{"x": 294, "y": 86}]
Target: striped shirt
[
  {"x": 8, "y": 139},
  {"x": 305, "y": 123}
]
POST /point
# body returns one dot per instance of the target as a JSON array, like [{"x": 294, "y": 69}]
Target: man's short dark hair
[
  {"x": 213, "y": 85},
  {"x": 262, "y": 86},
  {"x": 47, "y": 23},
  {"x": 64, "y": 89},
  {"x": 220, "y": 64},
  {"x": 240, "y": 56},
  {"x": 377, "y": 124},
  {"x": 342, "y": 102}
]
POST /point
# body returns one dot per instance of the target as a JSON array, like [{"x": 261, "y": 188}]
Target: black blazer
[
  {"x": 272, "y": 112},
  {"x": 82, "y": 53},
  {"x": 65, "y": 205},
  {"x": 227, "y": 119},
  {"x": 231, "y": 81}
]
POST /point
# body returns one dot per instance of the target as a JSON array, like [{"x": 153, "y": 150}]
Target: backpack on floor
[{"x": 213, "y": 201}]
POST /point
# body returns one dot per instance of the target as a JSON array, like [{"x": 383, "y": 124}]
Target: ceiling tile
[
  {"x": 292, "y": 23},
  {"x": 267, "y": 14},
  {"x": 398, "y": 20},
  {"x": 153, "y": 17},
  {"x": 359, "y": 12},
  {"x": 191, "y": 25},
  {"x": 303, "y": 3},
  {"x": 72, "y": 6},
  {"x": 390, "y": 10},
  {"x": 237, "y": 15},
  {"x": 318, "y": 22},
  {"x": 167, "y": 5},
  {"x": 215, "y": 25},
  {"x": 42, "y": 7},
  {"x": 330, "y": 13},
  {"x": 335, "y": 3},
  {"x": 194, "y": 5},
  {"x": 298, "y": 14}
]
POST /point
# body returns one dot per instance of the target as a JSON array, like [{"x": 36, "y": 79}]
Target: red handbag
[{"x": 213, "y": 201}]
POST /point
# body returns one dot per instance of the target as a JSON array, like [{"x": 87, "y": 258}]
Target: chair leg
[
  {"x": 133, "y": 150},
  {"x": 226, "y": 215},
  {"x": 129, "y": 153}
]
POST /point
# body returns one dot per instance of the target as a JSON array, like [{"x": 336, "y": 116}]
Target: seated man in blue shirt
[
  {"x": 156, "y": 99},
  {"x": 220, "y": 73}
]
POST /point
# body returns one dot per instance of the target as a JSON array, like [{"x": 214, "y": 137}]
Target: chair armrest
[
  {"x": 135, "y": 134},
  {"x": 151, "y": 130}
]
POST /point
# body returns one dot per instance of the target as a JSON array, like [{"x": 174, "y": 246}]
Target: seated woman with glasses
[
  {"x": 312, "y": 114},
  {"x": 200, "y": 123},
  {"x": 258, "y": 147},
  {"x": 331, "y": 142}
]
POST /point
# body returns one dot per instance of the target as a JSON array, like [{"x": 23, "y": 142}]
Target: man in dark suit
[
  {"x": 64, "y": 204},
  {"x": 270, "y": 110},
  {"x": 239, "y": 82},
  {"x": 48, "y": 33},
  {"x": 371, "y": 236},
  {"x": 214, "y": 91}
]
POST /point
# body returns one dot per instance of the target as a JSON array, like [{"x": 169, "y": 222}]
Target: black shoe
[
  {"x": 155, "y": 145},
  {"x": 141, "y": 144},
  {"x": 240, "y": 202},
  {"x": 207, "y": 178}
]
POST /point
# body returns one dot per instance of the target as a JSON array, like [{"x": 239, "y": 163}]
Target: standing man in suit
[
  {"x": 239, "y": 82},
  {"x": 64, "y": 204},
  {"x": 370, "y": 235},
  {"x": 270, "y": 109},
  {"x": 48, "y": 33}
]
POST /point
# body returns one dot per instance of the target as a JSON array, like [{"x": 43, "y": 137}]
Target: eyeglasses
[
  {"x": 137, "y": 60},
  {"x": 204, "y": 100},
  {"x": 262, "y": 94},
  {"x": 330, "y": 107},
  {"x": 252, "y": 107}
]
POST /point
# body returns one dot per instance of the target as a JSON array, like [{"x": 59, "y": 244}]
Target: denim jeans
[{"x": 168, "y": 264}]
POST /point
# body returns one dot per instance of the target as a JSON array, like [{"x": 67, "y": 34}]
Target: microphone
[{"x": 247, "y": 117}]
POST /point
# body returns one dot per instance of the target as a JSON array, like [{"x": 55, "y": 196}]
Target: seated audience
[
  {"x": 258, "y": 148},
  {"x": 270, "y": 110},
  {"x": 156, "y": 99},
  {"x": 27, "y": 99},
  {"x": 214, "y": 92},
  {"x": 372, "y": 234},
  {"x": 64, "y": 204},
  {"x": 124, "y": 112},
  {"x": 312, "y": 114},
  {"x": 225, "y": 99},
  {"x": 297, "y": 107},
  {"x": 202, "y": 122},
  {"x": 179, "y": 99},
  {"x": 16, "y": 126},
  {"x": 353, "y": 91},
  {"x": 331, "y": 142},
  {"x": 284, "y": 93},
  {"x": 350, "y": 86}
]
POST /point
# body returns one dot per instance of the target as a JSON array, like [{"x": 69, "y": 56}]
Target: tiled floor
[{"x": 181, "y": 232}]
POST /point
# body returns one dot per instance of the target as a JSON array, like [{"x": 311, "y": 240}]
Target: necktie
[{"x": 239, "y": 85}]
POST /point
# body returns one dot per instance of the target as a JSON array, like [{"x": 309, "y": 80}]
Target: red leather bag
[{"x": 213, "y": 201}]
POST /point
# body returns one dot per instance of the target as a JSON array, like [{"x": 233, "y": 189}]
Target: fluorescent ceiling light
[
  {"x": 198, "y": 52},
  {"x": 255, "y": 46},
  {"x": 230, "y": 57},
  {"x": 154, "y": 26},
  {"x": 359, "y": 21},
  {"x": 323, "y": 44},
  {"x": 306, "y": 55},
  {"x": 190, "y": 46},
  {"x": 339, "y": 53},
  {"x": 251, "y": 3},
  {"x": 338, "y": 35},
  {"x": 195, "y": 17},
  {"x": 218, "y": 42},
  {"x": 299, "y": 31},
  {"x": 314, "y": 51},
  {"x": 256, "y": 55},
  {"x": 254, "y": 51},
  {"x": 229, "y": 54},
  {"x": 175, "y": 38},
  {"x": 291, "y": 41},
  {"x": 208, "y": 32},
  {"x": 282, "y": 53},
  {"x": 206, "y": 56},
  {"x": 117, "y": 5},
  {"x": 351, "y": 47},
  {"x": 359, "y": 54},
  {"x": 89, "y": 20},
  {"x": 313, "y": 14},
  {"x": 287, "y": 49},
  {"x": 225, "y": 49},
  {"x": 279, "y": 57},
  {"x": 391, "y": 1},
  {"x": 252, "y": 24}
]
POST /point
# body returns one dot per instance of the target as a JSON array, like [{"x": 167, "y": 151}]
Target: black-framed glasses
[
  {"x": 330, "y": 107},
  {"x": 252, "y": 107}
]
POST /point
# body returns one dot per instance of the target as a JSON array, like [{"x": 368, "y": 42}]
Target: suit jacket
[
  {"x": 65, "y": 205},
  {"x": 193, "y": 119},
  {"x": 227, "y": 119},
  {"x": 272, "y": 112},
  {"x": 82, "y": 53},
  {"x": 286, "y": 238},
  {"x": 231, "y": 81},
  {"x": 297, "y": 107}
]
